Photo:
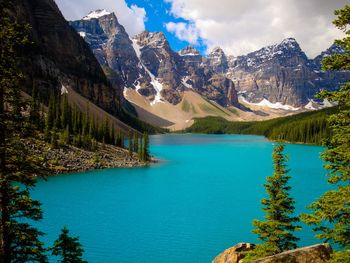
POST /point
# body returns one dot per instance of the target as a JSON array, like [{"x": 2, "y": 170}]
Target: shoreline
[{"x": 68, "y": 159}]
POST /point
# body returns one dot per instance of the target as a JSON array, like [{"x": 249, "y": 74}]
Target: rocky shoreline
[{"x": 70, "y": 159}]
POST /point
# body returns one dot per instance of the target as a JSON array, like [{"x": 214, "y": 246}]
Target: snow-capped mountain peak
[
  {"x": 189, "y": 51},
  {"x": 217, "y": 52},
  {"x": 96, "y": 14},
  {"x": 289, "y": 42}
]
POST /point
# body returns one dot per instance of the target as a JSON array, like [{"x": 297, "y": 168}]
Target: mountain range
[
  {"x": 279, "y": 77},
  {"x": 142, "y": 76}
]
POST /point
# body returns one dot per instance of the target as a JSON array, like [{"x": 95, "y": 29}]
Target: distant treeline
[{"x": 307, "y": 127}]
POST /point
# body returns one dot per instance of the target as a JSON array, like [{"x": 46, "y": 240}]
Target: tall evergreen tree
[
  {"x": 130, "y": 143},
  {"x": 19, "y": 241},
  {"x": 68, "y": 248},
  {"x": 136, "y": 142},
  {"x": 276, "y": 231},
  {"x": 65, "y": 112},
  {"x": 35, "y": 107},
  {"x": 140, "y": 153},
  {"x": 145, "y": 151},
  {"x": 330, "y": 214}
]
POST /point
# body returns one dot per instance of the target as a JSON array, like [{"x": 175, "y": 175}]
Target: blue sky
[
  {"x": 237, "y": 26},
  {"x": 158, "y": 14}
]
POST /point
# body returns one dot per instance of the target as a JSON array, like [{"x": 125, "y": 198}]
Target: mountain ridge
[{"x": 275, "y": 78}]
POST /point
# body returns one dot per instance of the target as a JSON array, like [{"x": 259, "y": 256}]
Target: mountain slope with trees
[{"x": 307, "y": 127}]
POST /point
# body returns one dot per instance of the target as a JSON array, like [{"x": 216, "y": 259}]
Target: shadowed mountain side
[{"x": 59, "y": 59}]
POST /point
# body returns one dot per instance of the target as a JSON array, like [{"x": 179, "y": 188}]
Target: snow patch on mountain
[
  {"x": 63, "y": 90},
  {"x": 82, "y": 34},
  {"x": 96, "y": 14},
  {"x": 277, "y": 105},
  {"x": 266, "y": 103},
  {"x": 184, "y": 82},
  {"x": 154, "y": 81},
  {"x": 314, "y": 105}
]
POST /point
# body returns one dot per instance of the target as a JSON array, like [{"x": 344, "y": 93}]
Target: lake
[{"x": 199, "y": 200}]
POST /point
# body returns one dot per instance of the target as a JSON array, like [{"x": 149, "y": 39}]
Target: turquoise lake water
[{"x": 197, "y": 202}]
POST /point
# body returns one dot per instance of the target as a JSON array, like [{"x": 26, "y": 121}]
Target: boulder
[
  {"x": 233, "y": 254},
  {"x": 319, "y": 253}
]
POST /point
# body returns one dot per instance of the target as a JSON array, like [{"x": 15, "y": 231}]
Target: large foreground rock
[{"x": 319, "y": 253}]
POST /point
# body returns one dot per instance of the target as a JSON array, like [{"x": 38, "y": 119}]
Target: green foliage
[
  {"x": 145, "y": 156},
  {"x": 65, "y": 137},
  {"x": 54, "y": 139},
  {"x": 130, "y": 142},
  {"x": 277, "y": 230},
  {"x": 136, "y": 142},
  {"x": 340, "y": 257},
  {"x": 35, "y": 116},
  {"x": 330, "y": 214},
  {"x": 260, "y": 251},
  {"x": 19, "y": 240},
  {"x": 141, "y": 149},
  {"x": 65, "y": 124},
  {"x": 306, "y": 127},
  {"x": 68, "y": 248}
]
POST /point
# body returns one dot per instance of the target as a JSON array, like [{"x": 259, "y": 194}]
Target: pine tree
[
  {"x": 54, "y": 138},
  {"x": 141, "y": 148},
  {"x": 65, "y": 112},
  {"x": 277, "y": 230},
  {"x": 57, "y": 107},
  {"x": 112, "y": 135},
  {"x": 35, "y": 107},
  {"x": 19, "y": 241},
  {"x": 136, "y": 142},
  {"x": 65, "y": 136},
  {"x": 130, "y": 143},
  {"x": 330, "y": 214},
  {"x": 68, "y": 248},
  {"x": 145, "y": 151},
  {"x": 122, "y": 139}
]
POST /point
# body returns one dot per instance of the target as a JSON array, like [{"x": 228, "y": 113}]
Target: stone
[
  {"x": 233, "y": 254},
  {"x": 319, "y": 253}
]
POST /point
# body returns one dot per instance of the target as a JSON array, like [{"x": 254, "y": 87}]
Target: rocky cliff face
[
  {"x": 282, "y": 73},
  {"x": 147, "y": 64},
  {"x": 60, "y": 57}
]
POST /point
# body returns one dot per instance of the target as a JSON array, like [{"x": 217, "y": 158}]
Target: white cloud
[
  {"x": 132, "y": 18},
  {"x": 183, "y": 31},
  {"x": 241, "y": 26}
]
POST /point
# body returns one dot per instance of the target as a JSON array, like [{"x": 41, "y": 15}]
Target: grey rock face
[
  {"x": 148, "y": 64},
  {"x": 279, "y": 73},
  {"x": 282, "y": 73},
  {"x": 217, "y": 60}
]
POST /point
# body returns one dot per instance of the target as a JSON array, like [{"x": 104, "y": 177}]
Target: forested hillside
[{"x": 306, "y": 127}]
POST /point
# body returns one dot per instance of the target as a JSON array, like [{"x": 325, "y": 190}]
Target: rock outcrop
[
  {"x": 313, "y": 254},
  {"x": 233, "y": 254},
  {"x": 319, "y": 253}
]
